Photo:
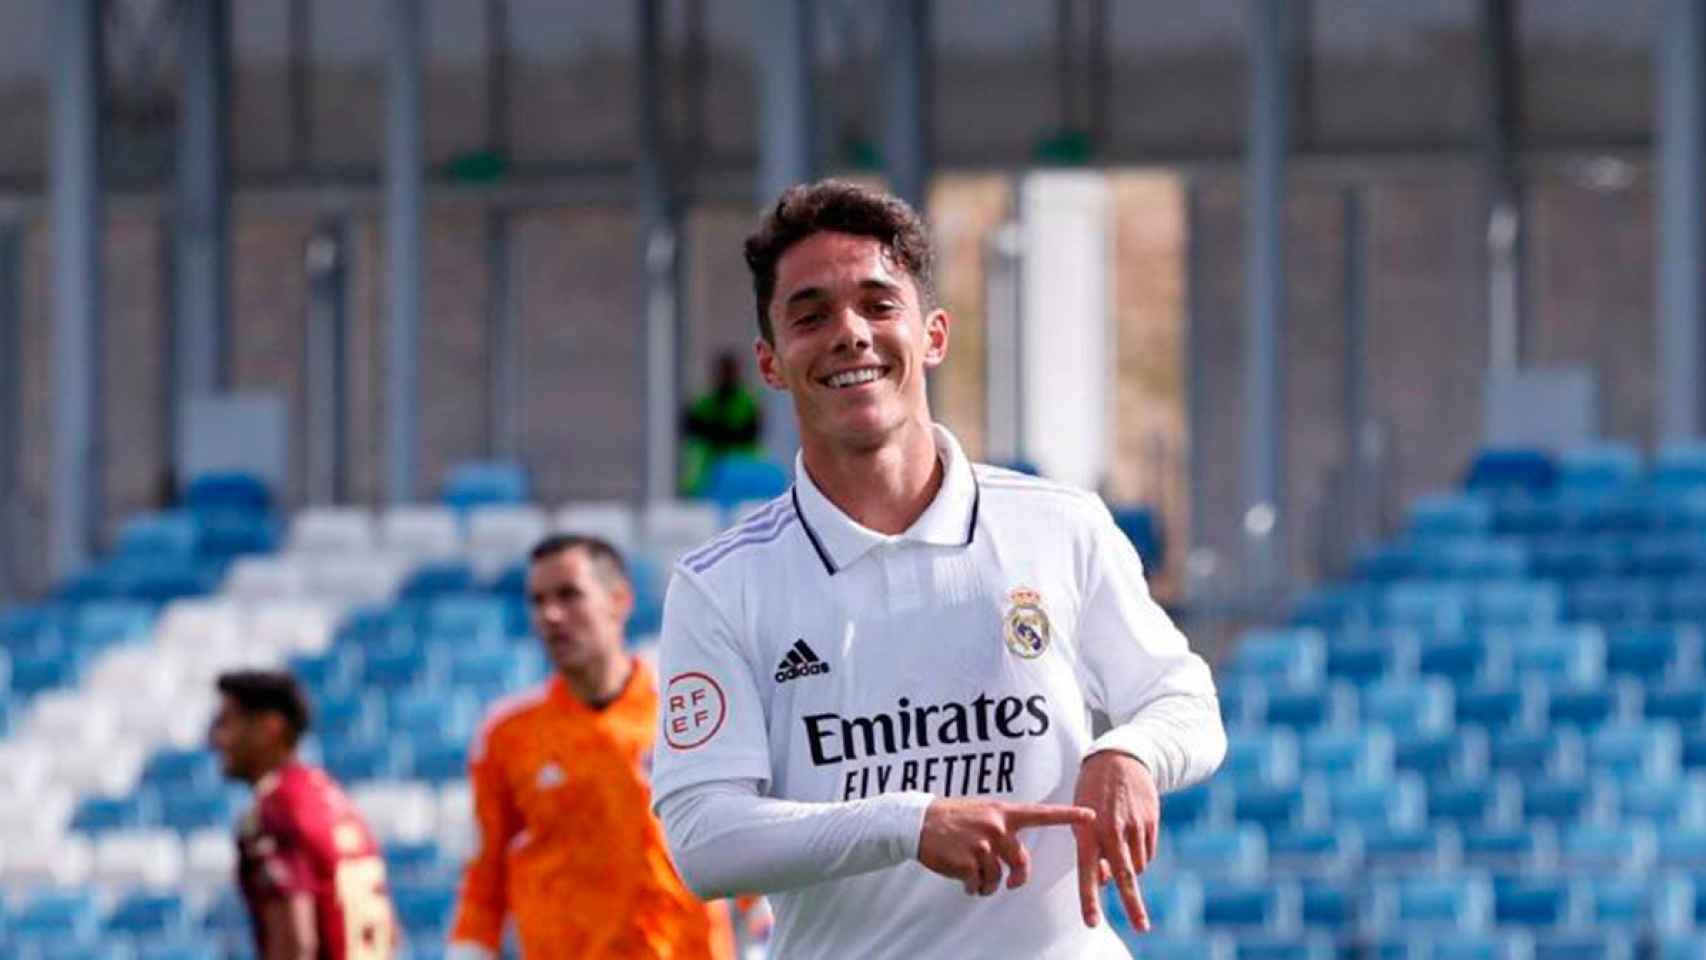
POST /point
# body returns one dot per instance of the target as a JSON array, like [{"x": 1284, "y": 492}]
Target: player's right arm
[
  {"x": 713, "y": 762},
  {"x": 476, "y": 933},
  {"x": 288, "y": 920}
]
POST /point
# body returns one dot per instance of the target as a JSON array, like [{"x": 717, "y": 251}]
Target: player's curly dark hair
[
  {"x": 269, "y": 691},
  {"x": 837, "y": 206}
]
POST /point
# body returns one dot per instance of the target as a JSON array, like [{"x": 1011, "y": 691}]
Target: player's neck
[
  {"x": 885, "y": 488},
  {"x": 599, "y": 683},
  {"x": 269, "y": 767}
]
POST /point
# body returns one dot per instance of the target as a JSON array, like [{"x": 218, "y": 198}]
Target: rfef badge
[{"x": 1026, "y": 625}]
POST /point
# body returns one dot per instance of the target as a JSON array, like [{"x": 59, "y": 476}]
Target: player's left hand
[{"x": 1121, "y": 841}]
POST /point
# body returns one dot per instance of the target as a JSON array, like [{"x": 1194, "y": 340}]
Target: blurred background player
[
  {"x": 307, "y": 864},
  {"x": 567, "y": 843},
  {"x": 725, "y": 420}
]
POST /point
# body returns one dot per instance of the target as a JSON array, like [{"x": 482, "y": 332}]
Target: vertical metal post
[
  {"x": 503, "y": 426},
  {"x": 1003, "y": 395},
  {"x": 1681, "y": 213},
  {"x": 11, "y": 399},
  {"x": 784, "y": 31},
  {"x": 906, "y": 114},
  {"x": 1359, "y": 437},
  {"x": 659, "y": 237},
  {"x": 405, "y": 176},
  {"x": 1266, "y": 525},
  {"x": 202, "y": 291},
  {"x": 74, "y": 184},
  {"x": 326, "y": 350},
  {"x": 1197, "y": 353},
  {"x": 1501, "y": 125},
  {"x": 497, "y": 77}
]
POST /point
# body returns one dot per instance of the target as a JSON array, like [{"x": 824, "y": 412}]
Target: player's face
[
  {"x": 578, "y": 614},
  {"x": 238, "y": 739},
  {"x": 852, "y": 340}
]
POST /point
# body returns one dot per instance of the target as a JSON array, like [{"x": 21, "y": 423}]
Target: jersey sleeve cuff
[
  {"x": 1130, "y": 742},
  {"x": 904, "y": 813}
]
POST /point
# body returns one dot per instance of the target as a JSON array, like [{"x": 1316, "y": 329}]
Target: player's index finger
[{"x": 1021, "y": 815}]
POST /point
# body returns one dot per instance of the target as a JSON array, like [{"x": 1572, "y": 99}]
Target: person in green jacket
[{"x": 725, "y": 420}]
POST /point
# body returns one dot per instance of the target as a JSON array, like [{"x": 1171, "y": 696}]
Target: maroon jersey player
[{"x": 307, "y": 864}]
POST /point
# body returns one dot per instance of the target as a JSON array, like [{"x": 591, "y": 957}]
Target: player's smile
[{"x": 855, "y": 377}]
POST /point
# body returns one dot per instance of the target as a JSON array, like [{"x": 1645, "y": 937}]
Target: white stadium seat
[
  {"x": 25, "y": 767},
  {"x": 421, "y": 532},
  {"x": 501, "y": 534},
  {"x": 332, "y": 531},
  {"x": 397, "y": 810},
  {"x": 111, "y": 770},
  {"x": 360, "y": 578},
  {"x": 299, "y": 627},
  {"x": 44, "y": 811},
  {"x": 210, "y": 856},
  {"x": 38, "y": 860},
  {"x": 72, "y": 721},
  {"x": 610, "y": 520},
  {"x": 457, "y": 829},
  {"x": 128, "y": 860},
  {"x": 265, "y": 579},
  {"x": 686, "y": 522},
  {"x": 136, "y": 672},
  {"x": 200, "y": 623}
]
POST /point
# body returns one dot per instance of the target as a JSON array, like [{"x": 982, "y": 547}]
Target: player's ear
[
  {"x": 936, "y": 324},
  {"x": 622, "y": 598},
  {"x": 767, "y": 364}
]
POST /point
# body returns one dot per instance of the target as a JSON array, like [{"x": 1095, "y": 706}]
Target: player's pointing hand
[{"x": 969, "y": 840}]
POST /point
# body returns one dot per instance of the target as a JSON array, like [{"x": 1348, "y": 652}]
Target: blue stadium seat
[
  {"x": 358, "y": 713},
  {"x": 1347, "y": 754},
  {"x": 1694, "y": 749},
  {"x": 440, "y": 578},
  {"x": 1428, "y": 607},
  {"x": 187, "y": 810},
  {"x": 1680, "y": 702},
  {"x": 1685, "y": 600},
  {"x": 149, "y": 916},
  {"x": 1669, "y": 556},
  {"x": 1182, "y": 946},
  {"x": 1680, "y": 466},
  {"x": 440, "y": 762},
  {"x": 1302, "y": 708},
  {"x": 1294, "y": 656},
  {"x": 166, "y": 536},
  {"x": 1364, "y": 658},
  {"x": 1478, "y": 946},
  {"x": 1589, "y": 847},
  {"x": 1571, "y": 559},
  {"x": 477, "y": 484},
  {"x": 1475, "y": 559},
  {"x": 496, "y": 671},
  {"x": 1187, "y": 807},
  {"x": 1506, "y": 847},
  {"x": 1450, "y": 514},
  {"x": 1397, "y": 802},
  {"x": 1495, "y": 707},
  {"x": 472, "y": 618},
  {"x": 1173, "y": 905},
  {"x": 1574, "y": 653},
  {"x": 1581, "y": 945},
  {"x": 1531, "y": 753},
  {"x": 102, "y": 814},
  {"x": 1527, "y": 900},
  {"x": 187, "y": 948},
  {"x": 352, "y": 762},
  {"x": 1209, "y": 851},
  {"x": 424, "y": 909},
  {"x": 1584, "y": 706},
  {"x": 180, "y": 769},
  {"x": 1599, "y": 468},
  {"x": 394, "y": 670},
  {"x": 1407, "y": 849},
  {"x": 1408, "y": 707},
  {"x": 31, "y": 629},
  {"x": 1469, "y": 802},
  {"x": 232, "y": 491},
  {"x": 1634, "y": 903},
  {"x": 1438, "y": 754},
  {"x": 1310, "y": 850},
  {"x": 420, "y": 861},
  {"x": 1330, "y": 904},
  {"x": 430, "y": 714},
  {"x": 1436, "y": 903},
  {"x": 1664, "y": 801},
  {"x": 1335, "y": 608},
  {"x": 1458, "y": 657},
  {"x": 1650, "y": 654},
  {"x": 1269, "y": 806},
  {"x": 1511, "y": 471},
  {"x": 1249, "y": 905},
  {"x": 1635, "y": 750},
  {"x": 328, "y": 674},
  {"x": 1680, "y": 946},
  {"x": 1613, "y": 602},
  {"x": 1388, "y": 563},
  {"x": 1684, "y": 847},
  {"x": 98, "y": 625},
  {"x": 1557, "y": 799},
  {"x": 734, "y": 479},
  {"x": 33, "y": 673},
  {"x": 70, "y": 917},
  {"x": 1261, "y": 756},
  {"x": 1515, "y": 604}
]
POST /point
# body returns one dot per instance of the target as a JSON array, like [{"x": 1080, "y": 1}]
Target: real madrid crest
[{"x": 1026, "y": 625}]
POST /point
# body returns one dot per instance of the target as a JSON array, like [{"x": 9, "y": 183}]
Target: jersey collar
[{"x": 949, "y": 521}]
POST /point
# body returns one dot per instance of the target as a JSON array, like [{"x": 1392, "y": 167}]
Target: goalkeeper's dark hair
[
  {"x": 606, "y": 559},
  {"x": 269, "y": 691}
]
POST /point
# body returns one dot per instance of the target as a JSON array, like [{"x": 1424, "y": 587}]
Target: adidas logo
[{"x": 801, "y": 661}]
